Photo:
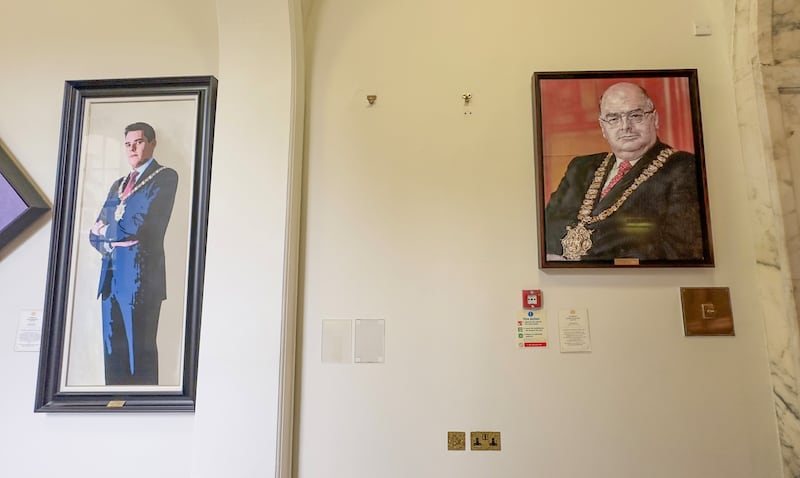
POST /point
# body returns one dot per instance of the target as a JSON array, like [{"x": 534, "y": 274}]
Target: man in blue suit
[{"x": 129, "y": 233}]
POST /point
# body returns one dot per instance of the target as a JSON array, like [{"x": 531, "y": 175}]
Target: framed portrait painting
[
  {"x": 21, "y": 204},
  {"x": 620, "y": 169},
  {"x": 125, "y": 279}
]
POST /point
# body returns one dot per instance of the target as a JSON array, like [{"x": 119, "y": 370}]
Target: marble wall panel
[
  {"x": 766, "y": 73},
  {"x": 786, "y": 31}
]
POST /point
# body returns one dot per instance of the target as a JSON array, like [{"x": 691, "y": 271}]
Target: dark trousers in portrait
[{"x": 137, "y": 325}]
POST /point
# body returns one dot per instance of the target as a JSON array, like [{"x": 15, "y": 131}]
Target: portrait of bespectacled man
[{"x": 621, "y": 179}]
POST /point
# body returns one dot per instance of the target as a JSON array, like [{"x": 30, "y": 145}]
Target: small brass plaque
[
  {"x": 115, "y": 404},
  {"x": 484, "y": 441},
  {"x": 626, "y": 261},
  {"x": 456, "y": 440},
  {"x": 707, "y": 311}
]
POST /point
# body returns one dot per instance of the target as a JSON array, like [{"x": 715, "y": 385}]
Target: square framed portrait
[
  {"x": 21, "y": 203},
  {"x": 620, "y": 169},
  {"x": 125, "y": 280}
]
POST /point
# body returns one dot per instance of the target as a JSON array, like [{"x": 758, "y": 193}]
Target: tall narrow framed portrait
[
  {"x": 21, "y": 203},
  {"x": 620, "y": 169},
  {"x": 125, "y": 279}
]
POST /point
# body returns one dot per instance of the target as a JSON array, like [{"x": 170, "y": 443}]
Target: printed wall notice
[
  {"x": 29, "y": 331},
  {"x": 573, "y": 330},
  {"x": 531, "y": 329}
]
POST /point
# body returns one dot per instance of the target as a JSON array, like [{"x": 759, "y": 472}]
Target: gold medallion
[
  {"x": 119, "y": 211},
  {"x": 576, "y": 242}
]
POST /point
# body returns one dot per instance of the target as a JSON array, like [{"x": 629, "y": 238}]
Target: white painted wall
[
  {"x": 415, "y": 214},
  {"x": 247, "y": 45},
  {"x": 423, "y": 216}
]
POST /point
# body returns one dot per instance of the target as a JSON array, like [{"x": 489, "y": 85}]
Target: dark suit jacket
[
  {"x": 660, "y": 220},
  {"x": 137, "y": 273}
]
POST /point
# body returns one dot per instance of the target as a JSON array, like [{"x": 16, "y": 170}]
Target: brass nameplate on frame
[{"x": 626, "y": 261}]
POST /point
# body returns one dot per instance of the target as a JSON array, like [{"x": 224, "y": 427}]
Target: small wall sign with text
[
  {"x": 29, "y": 331},
  {"x": 573, "y": 330},
  {"x": 531, "y": 329}
]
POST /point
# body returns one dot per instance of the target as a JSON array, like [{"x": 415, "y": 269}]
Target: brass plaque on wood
[
  {"x": 707, "y": 311},
  {"x": 484, "y": 441},
  {"x": 626, "y": 261},
  {"x": 456, "y": 440},
  {"x": 115, "y": 404}
]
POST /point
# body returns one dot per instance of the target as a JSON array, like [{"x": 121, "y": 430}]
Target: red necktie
[
  {"x": 129, "y": 185},
  {"x": 624, "y": 167}
]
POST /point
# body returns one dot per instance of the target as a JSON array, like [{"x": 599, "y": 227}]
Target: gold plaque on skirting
[{"x": 707, "y": 311}]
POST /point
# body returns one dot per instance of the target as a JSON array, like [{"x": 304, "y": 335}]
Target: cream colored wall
[
  {"x": 247, "y": 45},
  {"x": 424, "y": 216},
  {"x": 442, "y": 202}
]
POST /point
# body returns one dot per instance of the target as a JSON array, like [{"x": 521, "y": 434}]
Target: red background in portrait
[{"x": 570, "y": 108}]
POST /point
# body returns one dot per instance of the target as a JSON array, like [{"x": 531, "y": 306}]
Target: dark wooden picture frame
[
  {"x": 656, "y": 216},
  {"x": 21, "y": 204},
  {"x": 125, "y": 286}
]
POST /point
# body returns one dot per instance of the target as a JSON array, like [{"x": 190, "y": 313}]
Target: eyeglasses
[{"x": 615, "y": 119}]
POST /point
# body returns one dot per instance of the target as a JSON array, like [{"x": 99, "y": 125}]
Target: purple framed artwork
[{"x": 20, "y": 202}]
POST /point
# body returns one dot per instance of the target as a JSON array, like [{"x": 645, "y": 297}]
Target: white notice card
[
  {"x": 337, "y": 341},
  {"x": 573, "y": 330},
  {"x": 369, "y": 340},
  {"x": 29, "y": 331}
]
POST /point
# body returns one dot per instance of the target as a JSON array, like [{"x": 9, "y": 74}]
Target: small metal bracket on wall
[
  {"x": 467, "y": 98},
  {"x": 371, "y": 99}
]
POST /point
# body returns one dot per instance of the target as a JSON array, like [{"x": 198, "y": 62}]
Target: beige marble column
[{"x": 767, "y": 81}]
